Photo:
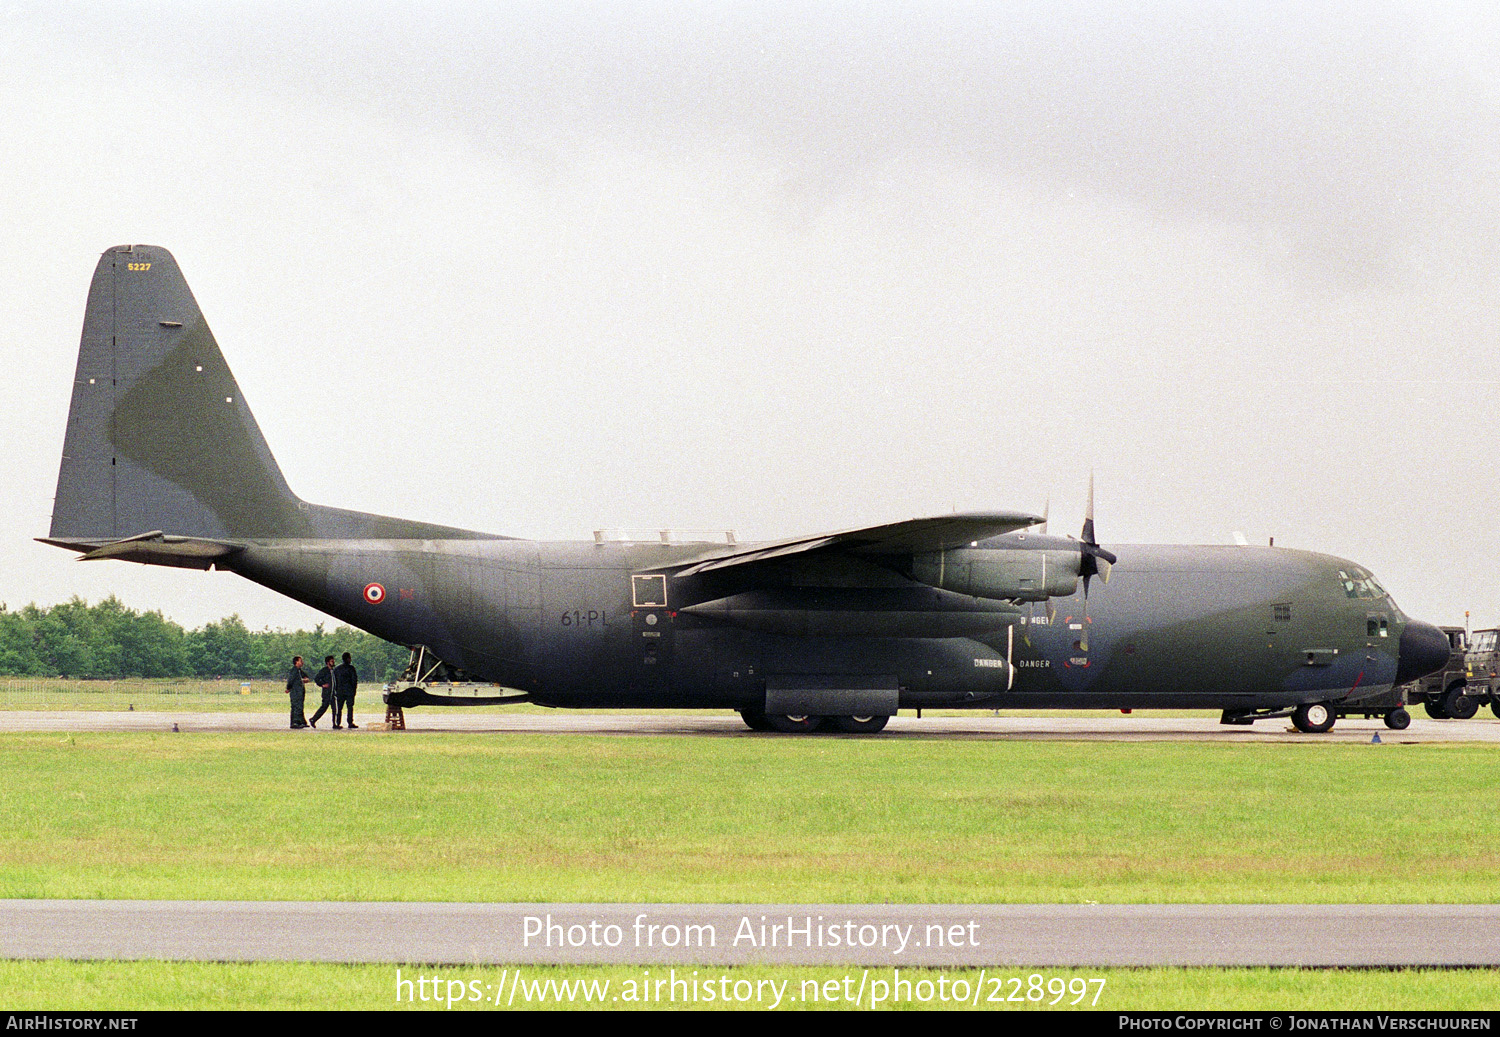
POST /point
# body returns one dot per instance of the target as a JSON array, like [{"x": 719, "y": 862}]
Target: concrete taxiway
[
  {"x": 1143, "y": 727},
  {"x": 892, "y": 935}
]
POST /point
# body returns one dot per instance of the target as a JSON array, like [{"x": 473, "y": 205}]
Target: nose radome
[{"x": 1424, "y": 648}]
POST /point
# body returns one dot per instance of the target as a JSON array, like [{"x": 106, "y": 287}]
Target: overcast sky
[{"x": 541, "y": 268}]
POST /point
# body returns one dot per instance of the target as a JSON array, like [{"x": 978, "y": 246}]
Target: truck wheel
[
  {"x": 793, "y": 725},
  {"x": 859, "y": 725},
  {"x": 1435, "y": 709},
  {"x": 1458, "y": 705},
  {"x": 1313, "y": 718},
  {"x": 1495, "y": 703},
  {"x": 1398, "y": 719}
]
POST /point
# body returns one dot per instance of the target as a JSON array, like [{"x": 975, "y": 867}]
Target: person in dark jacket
[
  {"x": 324, "y": 680},
  {"x": 345, "y": 680},
  {"x": 296, "y": 687}
]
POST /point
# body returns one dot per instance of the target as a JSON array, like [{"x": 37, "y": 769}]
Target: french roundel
[{"x": 374, "y": 593}]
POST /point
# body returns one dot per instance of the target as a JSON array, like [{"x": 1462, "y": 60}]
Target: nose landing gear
[{"x": 1313, "y": 718}]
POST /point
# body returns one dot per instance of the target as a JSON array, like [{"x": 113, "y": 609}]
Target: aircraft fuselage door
[{"x": 651, "y": 622}]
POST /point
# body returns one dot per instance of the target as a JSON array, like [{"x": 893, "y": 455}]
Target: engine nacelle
[{"x": 1008, "y": 573}]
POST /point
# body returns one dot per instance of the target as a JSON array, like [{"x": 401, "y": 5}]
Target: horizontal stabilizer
[
  {"x": 913, "y": 536},
  {"x": 154, "y": 548}
]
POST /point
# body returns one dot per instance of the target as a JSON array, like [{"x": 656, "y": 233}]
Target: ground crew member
[
  {"x": 296, "y": 687},
  {"x": 345, "y": 680},
  {"x": 324, "y": 680}
]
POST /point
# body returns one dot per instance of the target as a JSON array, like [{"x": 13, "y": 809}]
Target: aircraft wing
[{"x": 914, "y": 536}]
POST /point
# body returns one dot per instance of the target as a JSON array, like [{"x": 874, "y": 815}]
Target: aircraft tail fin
[{"x": 159, "y": 435}]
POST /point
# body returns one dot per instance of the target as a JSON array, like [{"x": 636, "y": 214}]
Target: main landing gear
[{"x": 758, "y": 721}]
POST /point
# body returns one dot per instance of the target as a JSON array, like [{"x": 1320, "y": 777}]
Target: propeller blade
[
  {"x": 1093, "y": 561},
  {"x": 1088, "y": 516},
  {"x": 1092, "y": 555}
]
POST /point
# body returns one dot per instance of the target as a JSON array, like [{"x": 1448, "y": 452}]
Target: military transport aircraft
[{"x": 164, "y": 464}]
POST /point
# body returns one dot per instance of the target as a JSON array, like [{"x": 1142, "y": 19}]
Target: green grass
[
  {"x": 529, "y": 817},
  {"x": 129, "y": 986},
  {"x": 54, "y": 693},
  {"x": 537, "y": 817}
]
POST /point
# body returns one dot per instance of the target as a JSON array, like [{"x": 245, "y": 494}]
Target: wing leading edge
[{"x": 913, "y": 536}]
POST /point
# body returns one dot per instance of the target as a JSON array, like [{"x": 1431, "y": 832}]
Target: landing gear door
[{"x": 651, "y": 623}]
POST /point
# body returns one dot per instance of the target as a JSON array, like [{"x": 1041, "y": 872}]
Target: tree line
[{"x": 109, "y": 640}]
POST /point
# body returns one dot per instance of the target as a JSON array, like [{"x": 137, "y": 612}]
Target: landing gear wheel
[
  {"x": 1435, "y": 709},
  {"x": 755, "y": 720},
  {"x": 1398, "y": 719},
  {"x": 859, "y": 725},
  {"x": 1458, "y": 705},
  {"x": 1313, "y": 718},
  {"x": 793, "y": 725}
]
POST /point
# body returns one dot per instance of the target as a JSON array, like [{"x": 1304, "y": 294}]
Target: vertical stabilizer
[{"x": 159, "y": 436}]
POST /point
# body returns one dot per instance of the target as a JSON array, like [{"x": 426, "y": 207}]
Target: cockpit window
[{"x": 1359, "y": 585}]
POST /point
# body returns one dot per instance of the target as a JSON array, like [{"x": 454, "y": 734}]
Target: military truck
[
  {"x": 1450, "y": 693},
  {"x": 1482, "y": 668}
]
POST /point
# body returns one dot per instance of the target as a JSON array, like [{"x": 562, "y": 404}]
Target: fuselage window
[{"x": 648, "y": 591}]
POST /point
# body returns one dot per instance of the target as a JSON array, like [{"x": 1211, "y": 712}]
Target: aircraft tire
[
  {"x": 1435, "y": 709},
  {"x": 1313, "y": 718},
  {"x": 858, "y": 725},
  {"x": 755, "y": 720},
  {"x": 793, "y": 725},
  {"x": 1398, "y": 719},
  {"x": 1458, "y": 705}
]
